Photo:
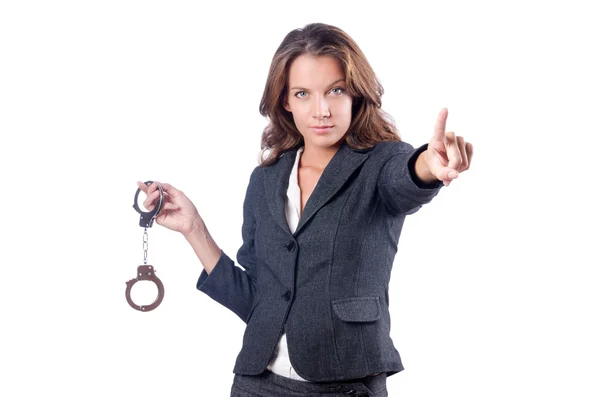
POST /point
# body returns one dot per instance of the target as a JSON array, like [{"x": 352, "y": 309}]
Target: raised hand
[{"x": 448, "y": 154}]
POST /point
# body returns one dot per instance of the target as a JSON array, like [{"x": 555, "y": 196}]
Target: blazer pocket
[{"x": 357, "y": 310}]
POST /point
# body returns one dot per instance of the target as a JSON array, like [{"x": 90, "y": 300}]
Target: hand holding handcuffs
[{"x": 145, "y": 271}]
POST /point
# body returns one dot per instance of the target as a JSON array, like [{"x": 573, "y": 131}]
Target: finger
[
  {"x": 152, "y": 188},
  {"x": 150, "y": 199},
  {"x": 166, "y": 197},
  {"x": 439, "y": 130},
  {"x": 148, "y": 189},
  {"x": 170, "y": 189},
  {"x": 143, "y": 187},
  {"x": 463, "y": 154},
  {"x": 469, "y": 149},
  {"x": 452, "y": 151},
  {"x": 446, "y": 174}
]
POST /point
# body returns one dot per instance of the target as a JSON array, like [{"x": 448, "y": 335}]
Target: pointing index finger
[{"x": 439, "y": 131}]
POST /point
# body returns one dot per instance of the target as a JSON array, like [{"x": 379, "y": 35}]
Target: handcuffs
[{"x": 145, "y": 271}]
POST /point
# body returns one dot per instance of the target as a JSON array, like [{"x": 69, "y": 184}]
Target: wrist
[
  {"x": 422, "y": 169},
  {"x": 195, "y": 229}
]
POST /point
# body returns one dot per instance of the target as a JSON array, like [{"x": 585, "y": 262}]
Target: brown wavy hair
[{"x": 369, "y": 125}]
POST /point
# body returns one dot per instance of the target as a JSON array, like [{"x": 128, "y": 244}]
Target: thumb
[{"x": 444, "y": 173}]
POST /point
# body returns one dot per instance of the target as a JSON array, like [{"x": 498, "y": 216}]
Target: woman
[{"x": 322, "y": 217}]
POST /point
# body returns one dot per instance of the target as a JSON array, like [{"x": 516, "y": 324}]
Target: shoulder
[
  {"x": 397, "y": 147},
  {"x": 385, "y": 150},
  {"x": 256, "y": 174}
]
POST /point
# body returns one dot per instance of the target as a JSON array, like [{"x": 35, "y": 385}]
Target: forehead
[{"x": 308, "y": 71}]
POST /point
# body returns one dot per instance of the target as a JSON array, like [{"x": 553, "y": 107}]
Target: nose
[{"x": 321, "y": 108}]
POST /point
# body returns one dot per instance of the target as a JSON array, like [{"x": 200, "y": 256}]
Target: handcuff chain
[{"x": 145, "y": 245}]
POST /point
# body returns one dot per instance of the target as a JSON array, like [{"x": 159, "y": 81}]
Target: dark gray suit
[{"x": 327, "y": 283}]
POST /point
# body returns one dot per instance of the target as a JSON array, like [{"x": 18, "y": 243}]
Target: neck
[{"x": 317, "y": 157}]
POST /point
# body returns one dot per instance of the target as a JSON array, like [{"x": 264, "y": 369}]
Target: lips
[{"x": 321, "y": 128}]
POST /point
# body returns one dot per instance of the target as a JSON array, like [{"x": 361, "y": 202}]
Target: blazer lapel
[
  {"x": 336, "y": 173},
  {"x": 276, "y": 185}
]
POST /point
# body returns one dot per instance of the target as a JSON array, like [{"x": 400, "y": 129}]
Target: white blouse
[{"x": 280, "y": 361}]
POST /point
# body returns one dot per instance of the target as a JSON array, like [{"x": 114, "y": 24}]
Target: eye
[
  {"x": 300, "y": 94},
  {"x": 337, "y": 91}
]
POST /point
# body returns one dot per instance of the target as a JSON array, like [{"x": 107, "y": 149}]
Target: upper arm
[
  {"x": 246, "y": 255},
  {"x": 227, "y": 284}
]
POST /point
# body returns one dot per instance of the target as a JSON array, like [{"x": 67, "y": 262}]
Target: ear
[{"x": 286, "y": 105}]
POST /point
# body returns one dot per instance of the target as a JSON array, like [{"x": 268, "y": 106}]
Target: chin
[{"x": 323, "y": 143}]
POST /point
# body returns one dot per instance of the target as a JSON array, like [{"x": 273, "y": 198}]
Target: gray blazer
[{"x": 326, "y": 284}]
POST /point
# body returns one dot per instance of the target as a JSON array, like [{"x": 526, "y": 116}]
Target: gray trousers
[{"x": 269, "y": 384}]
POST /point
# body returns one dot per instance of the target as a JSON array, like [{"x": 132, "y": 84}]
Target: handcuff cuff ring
[
  {"x": 147, "y": 218},
  {"x": 145, "y": 272}
]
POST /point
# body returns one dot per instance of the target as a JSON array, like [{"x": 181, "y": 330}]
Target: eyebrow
[{"x": 304, "y": 89}]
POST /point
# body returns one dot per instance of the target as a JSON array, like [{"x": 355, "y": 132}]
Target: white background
[{"x": 495, "y": 286}]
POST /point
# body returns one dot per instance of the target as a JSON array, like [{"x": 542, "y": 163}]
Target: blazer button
[
  {"x": 290, "y": 246},
  {"x": 287, "y": 295}
]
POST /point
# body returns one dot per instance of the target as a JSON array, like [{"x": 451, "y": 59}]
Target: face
[{"x": 318, "y": 101}]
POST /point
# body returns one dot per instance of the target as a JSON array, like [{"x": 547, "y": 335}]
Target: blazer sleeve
[
  {"x": 401, "y": 190},
  {"x": 227, "y": 284}
]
